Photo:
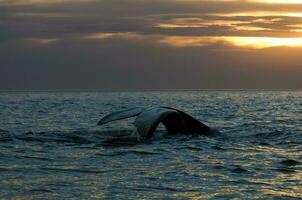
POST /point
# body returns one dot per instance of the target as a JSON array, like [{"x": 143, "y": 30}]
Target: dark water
[{"x": 51, "y": 148}]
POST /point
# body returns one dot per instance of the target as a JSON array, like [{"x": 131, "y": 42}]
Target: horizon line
[{"x": 146, "y": 90}]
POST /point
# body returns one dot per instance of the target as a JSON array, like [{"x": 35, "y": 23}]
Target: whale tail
[{"x": 175, "y": 121}]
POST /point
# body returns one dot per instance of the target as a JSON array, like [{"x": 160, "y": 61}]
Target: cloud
[
  {"x": 120, "y": 63},
  {"x": 278, "y": 1},
  {"x": 137, "y": 44},
  {"x": 38, "y": 2}
]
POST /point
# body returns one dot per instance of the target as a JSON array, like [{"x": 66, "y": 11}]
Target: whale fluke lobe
[
  {"x": 175, "y": 121},
  {"x": 132, "y": 112}
]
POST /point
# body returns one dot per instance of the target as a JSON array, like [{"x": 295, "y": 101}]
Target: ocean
[{"x": 52, "y": 148}]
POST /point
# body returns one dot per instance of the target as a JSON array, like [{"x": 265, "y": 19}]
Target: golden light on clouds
[
  {"x": 296, "y": 27},
  {"x": 204, "y": 23},
  {"x": 42, "y": 41},
  {"x": 189, "y": 41},
  {"x": 256, "y": 29},
  {"x": 252, "y": 28},
  {"x": 184, "y": 37},
  {"x": 279, "y": 1},
  {"x": 264, "y": 42},
  {"x": 200, "y": 41},
  {"x": 268, "y": 1},
  {"x": 195, "y": 22},
  {"x": 249, "y": 42},
  {"x": 125, "y": 35},
  {"x": 259, "y": 14},
  {"x": 100, "y": 35},
  {"x": 170, "y": 26}
]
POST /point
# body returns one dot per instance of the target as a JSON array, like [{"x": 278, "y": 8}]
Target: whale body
[{"x": 147, "y": 120}]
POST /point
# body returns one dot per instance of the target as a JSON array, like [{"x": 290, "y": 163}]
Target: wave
[
  {"x": 114, "y": 138},
  {"x": 125, "y": 137}
]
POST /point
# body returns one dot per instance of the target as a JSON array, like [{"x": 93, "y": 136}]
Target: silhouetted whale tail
[{"x": 175, "y": 121}]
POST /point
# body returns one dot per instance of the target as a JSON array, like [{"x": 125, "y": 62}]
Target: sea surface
[{"x": 52, "y": 148}]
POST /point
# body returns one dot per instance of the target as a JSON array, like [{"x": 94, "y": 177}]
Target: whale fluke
[
  {"x": 175, "y": 121},
  {"x": 132, "y": 112}
]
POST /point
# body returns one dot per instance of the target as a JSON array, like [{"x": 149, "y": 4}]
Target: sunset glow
[
  {"x": 194, "y": 42},
  {"x": 279, "y": 1},
  {"x": 264, "y": 42},
  {"x": 249, "y": 42},
  {"x": 150, "y": 99},
  {"x": 260, "y": 14}
]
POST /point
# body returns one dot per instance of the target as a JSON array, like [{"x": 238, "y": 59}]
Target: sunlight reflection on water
[{"x": 50, "y": 147}]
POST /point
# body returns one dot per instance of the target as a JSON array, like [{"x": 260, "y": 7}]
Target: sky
[{"x": 150, "y": 45}]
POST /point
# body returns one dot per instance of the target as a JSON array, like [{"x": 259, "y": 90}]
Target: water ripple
[{"x": 51, "y": 148}]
